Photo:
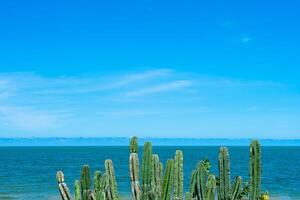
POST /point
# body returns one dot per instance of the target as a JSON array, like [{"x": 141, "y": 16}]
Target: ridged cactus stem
[
  {"x": 85, "y": 182},
  {"x": 237, "y": 188},
  {"x": 147, "y": 169},
  {"x": 224, "y": 174},
  {"x": 111, "y": 180},
  {"x": 62, "y": 186},
  {"x": 188, "y": 196},
  {"x": 211, "y": 187},
  {"x": 201, "y": 181},
  {"x": 156, "y": 180},
  {"x": 178, "y": 176},
  {"x": 255, "y": 170},
  {"x": 168, "y": 180},
  {"x": 99, "y": 186},
  {"x": 134, "y": 145},
  {"x": 134, "y": 175},
  {"x": 78, "y": 193}
]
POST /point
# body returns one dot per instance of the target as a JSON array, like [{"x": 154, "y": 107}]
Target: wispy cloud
[{"x": 175, "y": 85}]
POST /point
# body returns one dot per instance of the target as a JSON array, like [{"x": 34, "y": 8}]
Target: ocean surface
[{"x": 29, "y": 172}]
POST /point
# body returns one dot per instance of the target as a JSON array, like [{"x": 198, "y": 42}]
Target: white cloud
[{"x": 175, "y": 85}]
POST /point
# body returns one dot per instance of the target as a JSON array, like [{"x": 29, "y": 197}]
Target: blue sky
[{"x": 150, "y": 68}]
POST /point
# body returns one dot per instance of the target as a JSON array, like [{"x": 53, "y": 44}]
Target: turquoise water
[{"x": 29, "y": 172}]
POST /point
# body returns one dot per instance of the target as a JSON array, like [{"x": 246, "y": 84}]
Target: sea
[{"x": 28, "y": 173}]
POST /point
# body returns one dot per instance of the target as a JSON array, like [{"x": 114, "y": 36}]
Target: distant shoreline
[{"x": 123, "y": 141}]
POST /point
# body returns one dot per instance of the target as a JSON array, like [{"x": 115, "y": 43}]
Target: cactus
[
  {"x": 99, "y": 186},
  {"x": 134, "y": 145},
  {"x": 211, "y": 187},
  {"x": 111, "y": 181},
  {"x": 237, "y": 188},
  {"x": 255, "y": 170},
  {"x": 168, "y": 180},
  {"x": 178, "y": 175},
  {"x": 224, "y": 174},
  {"x": 147, "y": 170},
  {"x": 78, "y": 193},
  {"x": 134, "y": 175},
  {"x": 156, "y": 179},
  {"x": 85, "y": 182},
  {"x": 62, "y": 186}
]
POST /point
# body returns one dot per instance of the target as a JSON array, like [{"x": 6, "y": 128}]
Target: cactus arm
[
  {"x": 211, "y": 187},
  {"x": 62, "y": 186},
  {"x": 134, "y": 175},
  {"x": 111, "y": 179},
  {"x": 78, "y": 193},
  {"x": 134, "y": 145},
  {"x": 255, "y": 170},
  {"x": 156, "y": 185},
  {"x": 237, "y": 188},
  {"x": 224, "y": 174},
  {"x": 147, "y": 170},
  {"x": 168, "y": 180},
  {"x": 178, "y": 175}
]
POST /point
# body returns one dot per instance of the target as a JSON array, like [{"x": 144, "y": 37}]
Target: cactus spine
[
  {"x": 178, "y": 175},
  {"x": 255, "y": 170},
  {"x": 224, "y": 174},
  {"x": 168, "y": 180},
  {"x": 111, "y": 181},
  {"x": 134, "y": 169},
  {"x": 62, "y": 186}
]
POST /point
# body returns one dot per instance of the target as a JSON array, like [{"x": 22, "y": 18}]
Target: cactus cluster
[
  {"x": 105, "y": 185},
  {"x": 156, "y": 183}
]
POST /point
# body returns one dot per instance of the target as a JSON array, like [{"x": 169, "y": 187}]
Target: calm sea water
[{"x": 29, "y": 172}]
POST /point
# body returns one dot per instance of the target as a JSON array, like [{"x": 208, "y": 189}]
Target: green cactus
[
  {"x": 99, "y": 186},
  {"x": 134, "y": 145},
  {"x": 85, "y": 182},
  {"x": 224, "y": 174},
  {"x": 237, "y": 188},
  {"x": 62, "y": 186},
  {"x": 211, "y": 187},
  {"x": 111, "y": 182},
  {"x": 134, "y": 175},
  {"x": 178, "y": 176},
  {"x": 147, "y": 171},
  {"x": 168, "y": 180},
  {"x": 156, "y": 179},
  {"x": 188, "y": 196},
  {"x": 255, "y": 170},
  {"x": 78, "y": 193}
]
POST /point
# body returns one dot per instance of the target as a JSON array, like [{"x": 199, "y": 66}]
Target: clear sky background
[{"x": 205, "y": 69}]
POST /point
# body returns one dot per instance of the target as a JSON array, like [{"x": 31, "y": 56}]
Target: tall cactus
[
  {"x": 237, "y": 188},
  {"x": 211, "y": 187},
  {"x": 147, "y": 170},
  {"x": 168, "y": 180},
  {"x": 224, "y": 174},
  {"x": 178, "y": 176},
  {"x": 156, "y": 179},
  {"x": 255, "y": 170},
  {"x": 78, "y": 193},
  {"x": 99, "y": 186},
  {"x": 62, "y": 186},
  {"x": 134, "y": 145},
  {"x": 134, "y": 175},
  {"x": 111, "y": 182},
  {"x": 85, "y": 182}
]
